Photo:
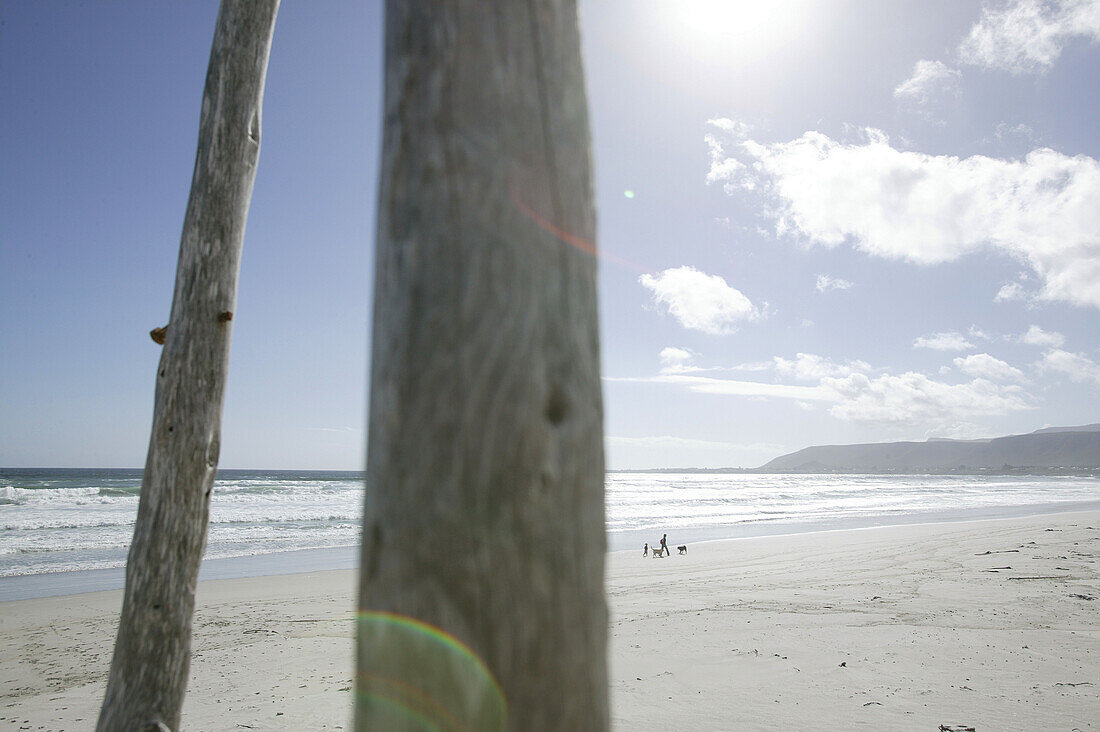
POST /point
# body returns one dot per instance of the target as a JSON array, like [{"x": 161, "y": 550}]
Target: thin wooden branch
[
  {"x": 483, "y": 545},
  {"x": 152, "y": 655}
]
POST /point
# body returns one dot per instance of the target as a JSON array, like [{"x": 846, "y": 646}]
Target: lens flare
[
  {"x": 568, "y": 238},
  {"x": 420, "y": 677}
]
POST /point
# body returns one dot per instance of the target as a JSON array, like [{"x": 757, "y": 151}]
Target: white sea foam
[
  {"x": 72, "y": 520},
  {"x": 50, "y": 496}
]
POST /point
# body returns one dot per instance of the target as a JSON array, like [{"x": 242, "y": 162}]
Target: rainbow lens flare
[{"x": 420, "y": 678}]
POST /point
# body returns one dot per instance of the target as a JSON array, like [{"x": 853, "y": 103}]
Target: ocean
[{"x": 65, "y": 525}]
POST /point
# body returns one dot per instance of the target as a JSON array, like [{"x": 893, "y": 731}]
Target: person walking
[
  {"x": 645, "y": 550},
  {"x": 664, "y": 544}
]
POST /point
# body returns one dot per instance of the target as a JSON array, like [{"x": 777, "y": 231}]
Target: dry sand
[{"x": 993, "y": 625}]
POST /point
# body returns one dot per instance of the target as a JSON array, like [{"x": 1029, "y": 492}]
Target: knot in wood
[
  {"x": 159, "y": 335},
  {"x": 556, "y": 406}
]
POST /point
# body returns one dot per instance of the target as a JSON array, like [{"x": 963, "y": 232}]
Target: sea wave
[
  {"x": 21, "y": 496},
  {"x": 69, "y": 520}
]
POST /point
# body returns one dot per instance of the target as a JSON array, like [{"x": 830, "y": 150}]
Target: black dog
[{"x": 683, "y": 549}]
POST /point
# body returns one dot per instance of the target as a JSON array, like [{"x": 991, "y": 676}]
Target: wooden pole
[
  {"x": 483, "y": 547},
  {"x": 152, "y": 655}
]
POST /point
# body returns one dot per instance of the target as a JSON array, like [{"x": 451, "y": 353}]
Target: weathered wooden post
[
  {"x": 483, "y": 543},
  {"x": 153, "y": 650}
]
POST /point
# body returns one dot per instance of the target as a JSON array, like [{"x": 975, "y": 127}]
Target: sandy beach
[{"x": 993, "y": 625}]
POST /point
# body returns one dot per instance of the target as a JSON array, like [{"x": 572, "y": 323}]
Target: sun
[
  {"x": 723, "y": 17},
  {"x": 741, "y": 27}
]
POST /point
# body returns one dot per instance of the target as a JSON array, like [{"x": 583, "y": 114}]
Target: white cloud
[
  {"x": 976, "y": 332},
  {"x": 936, "y": 208},
  {"x": 1011, "y": 291},
  {"x": 1020, "y": 132},
  {"x": 725, "y": 169},
  {"x": 1036, "y": 336},
  {"x": 810, "y": 367},
  {"x": 1028, "y": 35},
  {"x": 700, "y": 301},
  {"x": 909, "y": 398},
  {"x": 721, "y": 168},
  {"x": 1076, "y": 366},
  {"x": 913, "y": 398},
  {"x": 733, "y": 126},
  {"x": 947, "y": 341},
  {"x": 753, "y": 366},
  {"x": 735, "y": 387},
  {"x": 930, "y": 79},
  {"x": 984, "y": 366},
  {"x": 826, "y": 283},
  {"x": 676, "y": 360}
]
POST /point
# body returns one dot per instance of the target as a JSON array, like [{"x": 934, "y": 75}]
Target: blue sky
[{"x": 821, "y": 223}]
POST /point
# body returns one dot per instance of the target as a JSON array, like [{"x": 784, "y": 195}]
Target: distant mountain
[
  {"x": 1082, "y": 428},
  {"x": 1051, "y": 449}
]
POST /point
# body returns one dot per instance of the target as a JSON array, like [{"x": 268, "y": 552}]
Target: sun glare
[
  {"x": 734, "y": 26},
  {"x": 721, "y": 17}
]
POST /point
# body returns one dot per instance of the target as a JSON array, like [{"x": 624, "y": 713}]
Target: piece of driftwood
[
  {"x": 483, "y": 541},
  {"x": 152, "y": 655},
  {"x": 1041, "y": 577}
]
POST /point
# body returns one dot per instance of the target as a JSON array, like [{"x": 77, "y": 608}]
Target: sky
[{"x": 820, "y": 223}]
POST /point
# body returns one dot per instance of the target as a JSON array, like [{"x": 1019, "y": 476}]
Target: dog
[
  {"x": 658, "y": 552},
  {"x": 683, "y": 549}
]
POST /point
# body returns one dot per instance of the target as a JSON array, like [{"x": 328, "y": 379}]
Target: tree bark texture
[
  {"x": 152, "y": 655},
  {"x": 484, "y": 512}
]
